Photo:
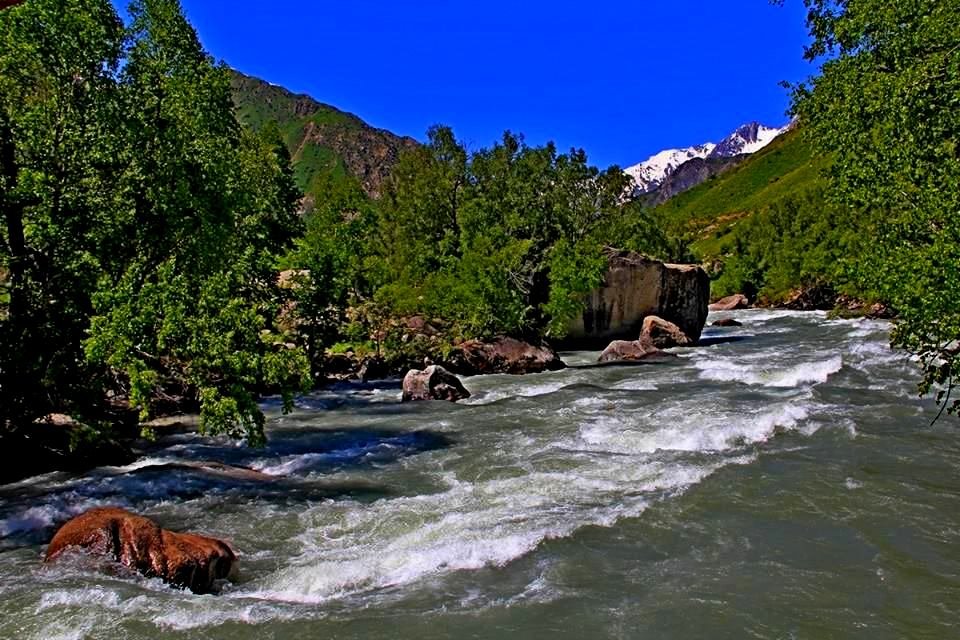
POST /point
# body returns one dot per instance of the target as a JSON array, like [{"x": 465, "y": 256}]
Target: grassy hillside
[
  {"x": 709, "y": 212},
  {"x": 764, "y": 228},
  {"x": 325, "y": 143}
]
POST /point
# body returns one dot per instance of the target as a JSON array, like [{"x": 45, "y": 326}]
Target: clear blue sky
[{"x": 622, "y": 79}]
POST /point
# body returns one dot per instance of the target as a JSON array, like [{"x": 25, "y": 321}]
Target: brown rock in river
[
  {"x": 631, "y": 351},
  {"x": 183, "y": 560},
  {"x": 663, "y": 334},
  {"x": 502, "y": 355},
  {"x": 433, "y": 383},
  {"x": 730, "y": 303}
]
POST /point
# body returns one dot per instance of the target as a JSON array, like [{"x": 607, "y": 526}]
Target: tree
[
  {"x": 328, "y": 265},
  {"x": 504, "y": 240},
  {"x": 887, "y": 106},
  {"x": 58, "y": 111},
  {"x": 188, "y": 304}
]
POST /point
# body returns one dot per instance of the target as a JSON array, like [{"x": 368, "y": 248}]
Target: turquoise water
[{"x": 781, "y": 482}]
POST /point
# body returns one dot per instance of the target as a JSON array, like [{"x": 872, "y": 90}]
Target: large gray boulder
[
  {"x": 636, "y": 287},
  {"x": 433, "y": 383}
]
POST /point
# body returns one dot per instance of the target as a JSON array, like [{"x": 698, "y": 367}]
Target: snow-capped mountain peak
[{"x": 750, "y": 138}]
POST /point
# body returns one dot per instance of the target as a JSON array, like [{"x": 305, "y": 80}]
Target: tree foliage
[
  {"x": 506, "y": 239},
  {"x": 798, "y": 242},
  {"x": 142, "y": 223},
  {"x": 887, "y": 106}
]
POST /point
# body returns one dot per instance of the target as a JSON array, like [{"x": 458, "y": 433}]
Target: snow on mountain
[
  {"x": 750, "y": 138},
  {"x": 649, "y": 174}
]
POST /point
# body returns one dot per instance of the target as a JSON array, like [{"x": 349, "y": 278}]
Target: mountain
[
  {"x": 748, "y": 139},
  {"x": 687, "y": 176},
  {"x": 325, "y": 143},
  {"x": 706, "y": 213}
]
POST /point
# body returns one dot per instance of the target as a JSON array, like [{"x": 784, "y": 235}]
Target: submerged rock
[
  {"x": 727, "y": 322},
  {"x": 183, "y": 560},
  {"x": 433, "y": 383},
  {"x": 631, "y": 351},
  {"x": 731, "y": 303},
  {"x": 636, "y": 287},
  {"x": 502, "y": 355},
  {"x": 663, "y": 334}
]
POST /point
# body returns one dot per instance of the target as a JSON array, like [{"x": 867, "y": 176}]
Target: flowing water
[{"x": 782, "y": 481}]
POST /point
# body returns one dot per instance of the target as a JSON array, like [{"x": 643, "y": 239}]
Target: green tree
[
  {"x": 58, "y": 112},
  {"x": 887, "y": 106},
  {"x": 188, "y": 303},
  {"x": 328, "y": 265}
]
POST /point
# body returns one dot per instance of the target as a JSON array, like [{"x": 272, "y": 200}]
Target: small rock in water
[
  {"x": 183, "y": 560},
  {"x": 728, "y": 322},
  {"x": 433, "y": 383},
  {"x": 736, "y": 301},
  {"x": 635, "y": 351},
  {"x": 663, "y": 334}
]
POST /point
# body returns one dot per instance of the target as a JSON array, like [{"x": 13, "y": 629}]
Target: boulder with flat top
[{"x": 634, "y": 288}]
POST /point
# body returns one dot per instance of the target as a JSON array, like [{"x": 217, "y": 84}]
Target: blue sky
[{"x": 621, "y": 79}]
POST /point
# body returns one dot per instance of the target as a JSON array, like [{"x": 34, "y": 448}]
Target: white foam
[
  {"x": 681, "y": 429},
  {"x": 763, "y": 374},
  {"x": 350, "y": 548},
  {"x": 487, "y": 389},
  {"x": 58, "y": 508},
  {"x": 635, "y": 384}
]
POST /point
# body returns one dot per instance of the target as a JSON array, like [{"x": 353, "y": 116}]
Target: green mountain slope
[
  {"x": 324, "y": 142},
  {"x": 764, "y": 228},
  {"x": 786, "y": 168}
]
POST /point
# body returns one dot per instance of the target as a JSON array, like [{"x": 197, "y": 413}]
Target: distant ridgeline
[{"x": 325, "y": 144}]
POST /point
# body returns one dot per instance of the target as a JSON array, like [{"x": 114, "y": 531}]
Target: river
[{"x": 782, "y": 481}]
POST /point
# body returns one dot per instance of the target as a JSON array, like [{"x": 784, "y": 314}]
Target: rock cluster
[
  {"x": 731, "y": 303},
  {"x": 727, "y": 322},
  {"x": 630, "y": 351},
  {"x": 502, "y": 355},
  {"x": 663, "y": 334}
]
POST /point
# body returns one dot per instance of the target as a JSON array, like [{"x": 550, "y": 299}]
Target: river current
[{"x": 780, "y": 481}]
